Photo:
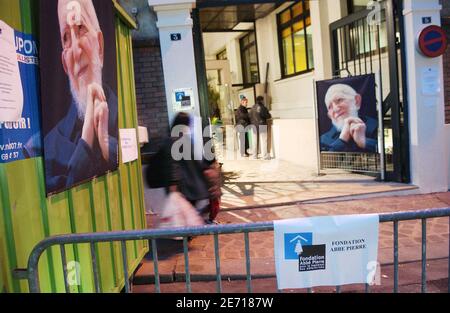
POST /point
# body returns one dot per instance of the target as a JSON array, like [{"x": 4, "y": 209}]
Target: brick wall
[
  {"x": 447, "y": 76},
  {"x": 445, "y": 14},
  {"x": 150, "y": 91}
]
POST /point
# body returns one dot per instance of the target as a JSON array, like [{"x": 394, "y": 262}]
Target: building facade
[
  {"x": 281, "y": 48},
  {"x": 445, "y": 18}
]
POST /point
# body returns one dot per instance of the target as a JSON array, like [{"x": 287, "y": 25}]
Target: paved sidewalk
[
  {"x": 409, "y": 274},
  {"x": 258, "y": 182},
  {"x": 250, "y": 183},
  {"x": 232, "y": 255}
]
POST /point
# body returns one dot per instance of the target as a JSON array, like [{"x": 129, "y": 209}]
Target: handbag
[{"x": 178, "y": 212}]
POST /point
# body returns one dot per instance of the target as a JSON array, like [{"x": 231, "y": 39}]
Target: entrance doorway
[
  {"x": 219, "y": 90},
  {"x": 270, "y": 49},
  {"x": 230, "y": 54}
]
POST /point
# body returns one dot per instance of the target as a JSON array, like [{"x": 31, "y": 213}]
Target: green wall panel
[
  {"x": 110, "y": 203},
  {"x": 100, "y": 213},
  {"x": 10, "y": 13}
]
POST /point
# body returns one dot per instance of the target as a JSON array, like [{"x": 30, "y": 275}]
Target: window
[
  {"x": 360, "y": 39},
  {"x": 295, "y": 39},
  {"x": 354, "y": 6},
  {"x": 249, "y": 57}
]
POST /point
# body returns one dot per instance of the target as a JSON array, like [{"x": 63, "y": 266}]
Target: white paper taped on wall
[
  {"x": 326, "y": 251},
  {"x": 128, "y": 144},
  {"x": 431, "y": 82},
  {"x": 11, "y": 92},
  {"x": 143, "y": 135}
]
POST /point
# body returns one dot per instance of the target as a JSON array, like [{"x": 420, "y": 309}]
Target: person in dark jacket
[
  {"x": 259, "y": 115},
  {"x": 176, "y": 169},
  {"x": 242, "y": 121}
]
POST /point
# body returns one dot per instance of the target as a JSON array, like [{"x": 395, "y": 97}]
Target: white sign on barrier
[{"x": 326, "y": 251}]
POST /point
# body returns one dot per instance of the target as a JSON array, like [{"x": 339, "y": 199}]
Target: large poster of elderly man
[
  {"x": 348, "y": 115},
  {"x": 79, "y": 91}
]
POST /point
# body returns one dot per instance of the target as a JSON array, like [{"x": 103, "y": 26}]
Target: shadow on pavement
[{"x": 167, "y": 248}]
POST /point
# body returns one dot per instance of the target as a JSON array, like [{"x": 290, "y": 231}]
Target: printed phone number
[{"x": 9, "y": 156}]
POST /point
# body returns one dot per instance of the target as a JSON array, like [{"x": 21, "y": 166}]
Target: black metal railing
[{"x": 369, "y": 42}]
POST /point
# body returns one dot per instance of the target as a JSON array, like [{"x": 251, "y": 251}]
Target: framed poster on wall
[
  {"x": 79, "y": 91},
  {"x": 347, "y": 113},
  {"x": 349, "y": 117}
]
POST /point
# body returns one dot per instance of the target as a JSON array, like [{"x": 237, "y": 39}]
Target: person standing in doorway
[
  {"x": 259, "y": 115},
  {"x": 242, "y": 121}
]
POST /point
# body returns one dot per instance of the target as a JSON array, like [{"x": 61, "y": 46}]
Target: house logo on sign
[
  {"x": 179, "y": 96},
  {"x": 294, "y": 244},
  {"x": 299, "y": 246}
]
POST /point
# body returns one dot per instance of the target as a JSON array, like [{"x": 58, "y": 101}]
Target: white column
[
  {"x": 174, "y": 17},
  {"x": 337, "y": 9},
  {"x": 323, "y": 13},
  {"x": 428, "y": 141},
  {"x": 320, "y": 25}
]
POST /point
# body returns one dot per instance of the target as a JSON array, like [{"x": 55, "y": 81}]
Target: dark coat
[
  {"x": 242, "y": 116},
  {"x": 187, "y": 175},
  {"x": 330, "y": 141},
  {"x": 259, "y": 115},
  {"x": 68, "y": 158}
]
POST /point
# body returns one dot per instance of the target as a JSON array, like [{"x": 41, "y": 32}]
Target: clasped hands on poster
[
  {"x": 95, "y": 125},
  {"x": 354, "y": 128}
]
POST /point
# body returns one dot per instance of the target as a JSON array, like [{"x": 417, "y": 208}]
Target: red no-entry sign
[{"x": 433, "y": 41}]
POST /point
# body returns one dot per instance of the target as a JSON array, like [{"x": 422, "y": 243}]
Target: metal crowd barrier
[{"x": 32, "y": 275}]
